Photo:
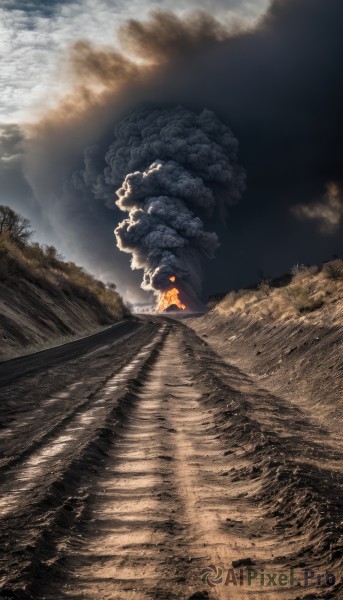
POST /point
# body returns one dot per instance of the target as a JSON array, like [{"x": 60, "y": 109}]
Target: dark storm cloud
[{"x": 278, "y": 86}]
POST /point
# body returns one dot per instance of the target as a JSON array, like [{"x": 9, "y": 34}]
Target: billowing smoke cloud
[{"x": 167, "y": 165}]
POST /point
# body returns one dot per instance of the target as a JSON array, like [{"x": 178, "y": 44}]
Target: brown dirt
[{"x": 176, "y": 461}]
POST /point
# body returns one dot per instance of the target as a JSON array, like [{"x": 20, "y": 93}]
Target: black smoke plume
[{"x": 169, "y": 166}]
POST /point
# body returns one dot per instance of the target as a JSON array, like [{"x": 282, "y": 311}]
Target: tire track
[
  {"x": 34, "y": 500},
  {"x": 31, "y": 430},
  {"x": 160, "y": 510}
]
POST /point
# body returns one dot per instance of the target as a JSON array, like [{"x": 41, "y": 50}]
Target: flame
[{"x": 170, "y": 297}]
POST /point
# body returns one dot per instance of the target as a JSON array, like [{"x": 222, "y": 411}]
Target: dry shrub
[
  {"x": 298, "y": 269},
  {"x": 334, "y": 269},
  {"x": 303, "y": 297},
  {"x": 302, "y": 273},
  {"x": 237, "y": 301},
  {"x": 34, "y": 253},
  {"x": 312, "y": 270},
  {"x": 13, "y": 261},
  {"x": 277, "y": 306},
  {"x": 264, "y": 288},
  {"x": 307, "y": 291}
]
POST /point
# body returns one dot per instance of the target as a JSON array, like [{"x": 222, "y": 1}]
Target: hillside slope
[
  {"x": 44, "y": 300},
  {"x": 288, "y": 338}
]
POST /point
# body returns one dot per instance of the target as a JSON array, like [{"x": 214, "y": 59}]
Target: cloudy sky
[
  {"x": 271, "y": 71},
  {"x": 35, "y": 37}
]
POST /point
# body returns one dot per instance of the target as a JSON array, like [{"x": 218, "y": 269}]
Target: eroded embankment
[
  {"x": 38, "y": 314},
  {"x": 299, "y": 361}
]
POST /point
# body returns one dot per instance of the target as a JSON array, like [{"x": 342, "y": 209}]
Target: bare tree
[{"x": 15, "y": 226}]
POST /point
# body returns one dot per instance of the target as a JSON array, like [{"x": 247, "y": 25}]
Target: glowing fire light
[{"x": 170, "y": 297}]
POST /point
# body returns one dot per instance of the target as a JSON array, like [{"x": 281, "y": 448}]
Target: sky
[
  {"x": 271, "y": 71},
  {"x": 35, "y": 36}
]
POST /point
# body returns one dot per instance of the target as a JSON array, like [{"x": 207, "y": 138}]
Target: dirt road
[{"x": 149, "y": 468}]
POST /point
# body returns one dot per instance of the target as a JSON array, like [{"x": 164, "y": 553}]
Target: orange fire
[{"x": 170, "y": 297}]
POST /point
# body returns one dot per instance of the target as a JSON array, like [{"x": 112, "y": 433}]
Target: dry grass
[
  {"x": 311, "y": 294},
  {"x": 43, "y": 266}
]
